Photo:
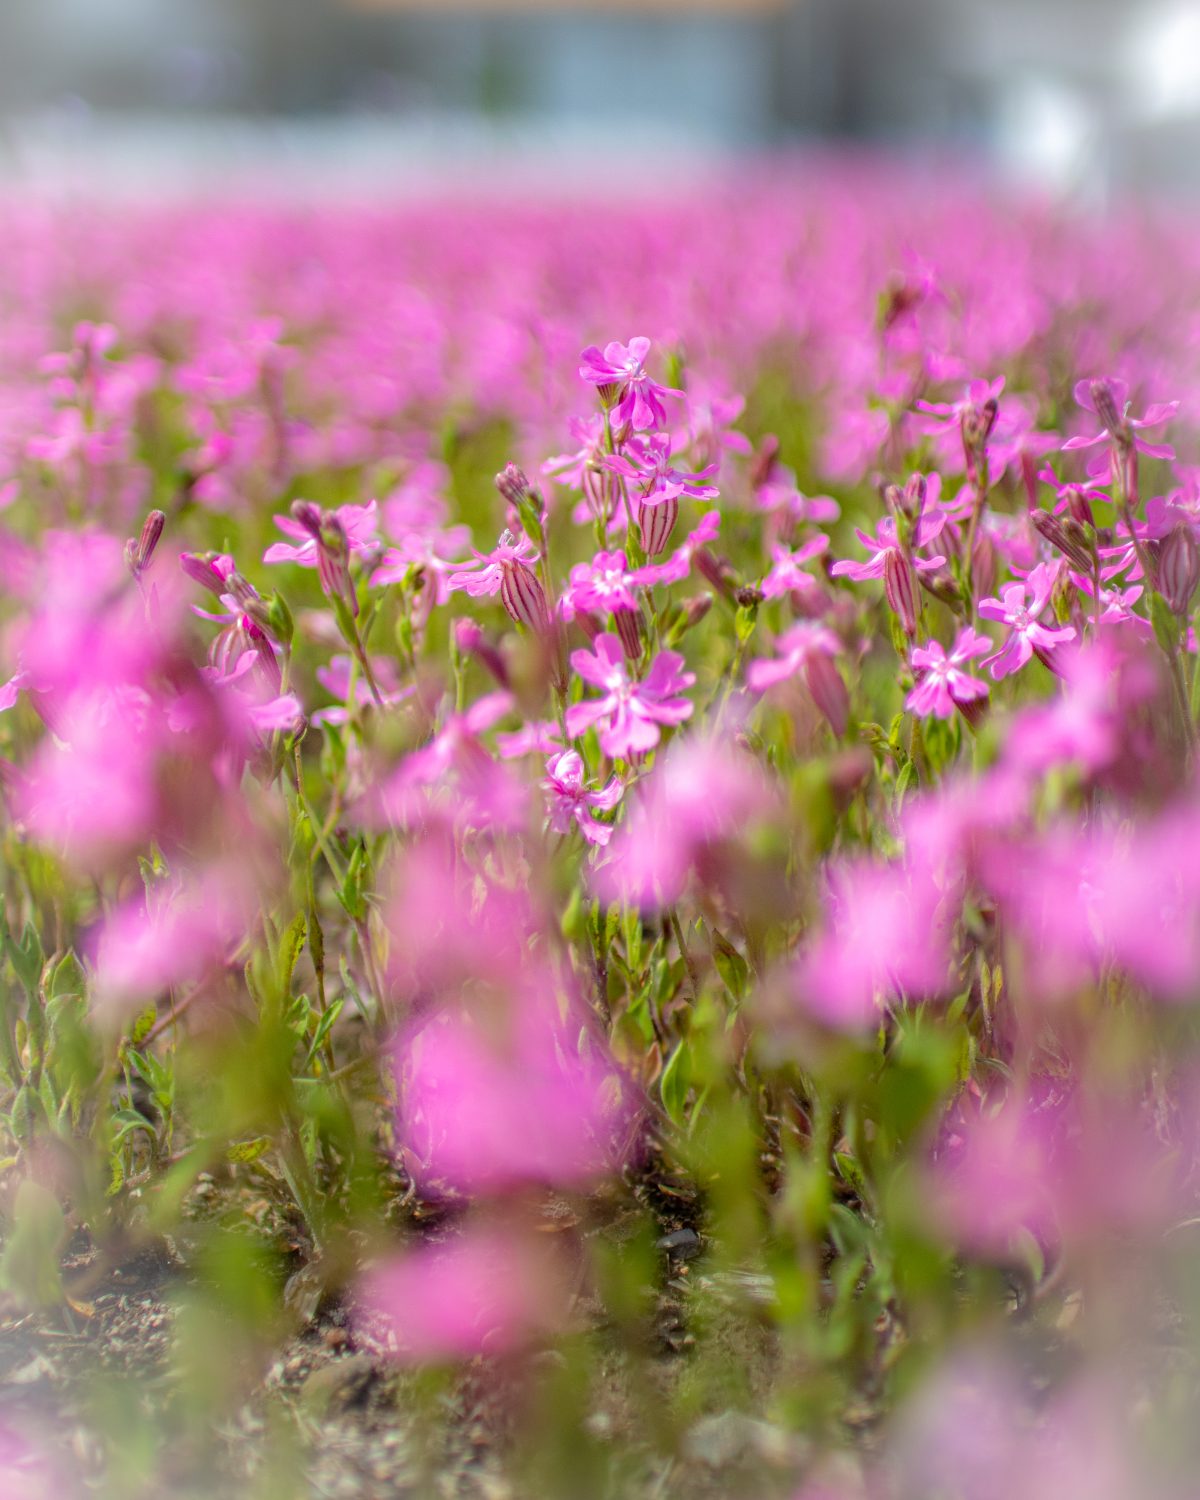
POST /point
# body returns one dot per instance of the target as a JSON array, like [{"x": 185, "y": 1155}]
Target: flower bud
[
  {"x": 1105, "y": 404},
  {"x": 629, "y": 629},
  {"x": 138, "y": 553},
  {"x": 470, "y": 640},
  {"x": 764, "y": 461},
  {"x": 716, "y": 569},
  {"x": 656, "y": 523},
  {"x": 1067, "y": 537},
  {"x": 824, "y": 682},
  {"x": 1178, "y": 568},
  {"x": 900, "y": 587},
  {"x": 522, "y": 594},
  {"x": 1079, "y": 505}
]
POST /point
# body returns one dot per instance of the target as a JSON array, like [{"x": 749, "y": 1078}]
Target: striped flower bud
[
  {"x": 656, "y": 523},
  {"x": 1178, "y": 568},
  {"x": 900, "y": 587}
]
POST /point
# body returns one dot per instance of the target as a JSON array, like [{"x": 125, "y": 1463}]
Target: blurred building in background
[{"x": 1077, "y": 94}]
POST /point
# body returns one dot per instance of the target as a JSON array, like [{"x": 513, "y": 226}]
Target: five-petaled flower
[
  {"x": 570, "y": 801},
  {"x": 630, "y": 713},
  {"x": 942, "y": 684},
  {"x": 508, "y": 570},
  {"x": 624, "y": 383},
  {"x": 1020, "y": 607}
]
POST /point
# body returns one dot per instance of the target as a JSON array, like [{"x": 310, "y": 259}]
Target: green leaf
[
  {"x": 291, "y": 942},
  {"x": 675, "y": 1083},
  {"x": 246, "y": 1151},
  {"x": 732, "y": 967}
]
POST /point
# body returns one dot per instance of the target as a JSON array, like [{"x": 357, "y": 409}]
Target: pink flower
[
  {"x": 787, "y": 573},
  {"x": 884, "y": 543},
  {"x": 508, "y": 571},
  {"x": 1020, "y": 607},
  {"x": 570, "y": 801},
  {"x": 1108, "y": 399},
  {"x": 647, "y": 461},
  {"x": 807, "y": 648},
  {"x": 486, "y": 1290},
  {"x": 335, "y": 679},
  {"x": 942, "y": 684},
  {"x": 701, "y": 796},
  {"x": 629, "y": 713},
  {"x": 621, "y": 375},
  {"x": 883, "y": 937},
  {"x": 491, "y": 1101},
  {"x": 356, "y": 521}
]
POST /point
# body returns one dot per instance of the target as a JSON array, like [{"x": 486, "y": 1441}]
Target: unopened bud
[
  {"x": 1178, "y": 568},
  {"x": 629, "y": 629},
  {"x": 899, "y": 586},
  {"x": 764, "y": 460},
  {"x": 717, "y": 570},
  {"x": 513, "y": 484},
  {"x": 824, "y": 682},
  {"x": 139, "y": 552},
  {"x": 471, "y": 641},
  {"x": 656, "y": 523},
  {"x": 1105, "y": 403},
  {"x": 1079, "y": 506},
  {"x": 1067, "y": 536}
]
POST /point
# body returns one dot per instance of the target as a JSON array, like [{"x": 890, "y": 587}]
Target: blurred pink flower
[
  {"x": 510, "y": 1092},
  {"x": 485, "y": 1290},
  {"x": 570, "y": 801}
]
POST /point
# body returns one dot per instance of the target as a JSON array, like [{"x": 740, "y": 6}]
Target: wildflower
[
  {"x": 942, "y": 684},
  {"x": 624, "y": 383},
  {"x": 336, "y": 678},
  {"x": 787, "y": 574},
  {"x": 1020, "y": 608},
  {"x": 647, "y": 462},
  {"x": 486, "y": 1290},
  {"x": 606, "y": 586},
  {"x": 1108, "y": 399},
  {"x": 1178, "y": 568},
  {"x": 508, "y": 571},
  {"x": 807, "y": 648},
  {"x": 354, "y": 525},
  {"x": 884, "y": 542},
  {"x": 630, "y": 713},
  {"x": 327, "y": 540},
  {"x": 570, "y": 801},
  {"x": 491, "y": 1101},
  {"x": 882, "y": 937}
]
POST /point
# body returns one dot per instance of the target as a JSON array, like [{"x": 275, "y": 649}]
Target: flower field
[{"x": 601, "y": 845}]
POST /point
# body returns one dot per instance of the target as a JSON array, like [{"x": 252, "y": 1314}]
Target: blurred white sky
[{"x": 1074, "y": 94}]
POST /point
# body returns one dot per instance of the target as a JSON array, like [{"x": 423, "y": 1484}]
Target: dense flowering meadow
[{"x": 542, "y": 738}]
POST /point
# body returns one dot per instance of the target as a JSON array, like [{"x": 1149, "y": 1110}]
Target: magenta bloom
[
  {"x": 489, "y": 1102},
  {"x": 942, "y": 684},
  {"x": 702, "y": 794},
  {"x": 953, "y": 413},
  {"x": 356, "y": 521},
  {"x": 647, "y": 462},
  {"x": 1020, "y": 608},
  {"x": 485, "y": 1291},
  {"x": 883, "y": 937},
  {"x": 621, "y": 375},
  {"x": 808, "y": 649},
  {"x": 788, "y": 575},
  {"x": 570, "y": 801},
  {"x": 884, "y": 542},
  {"x": 1109, "y": 401},
  {"x": 508, "y": 571},
  {"x": 630, "y": 713}
]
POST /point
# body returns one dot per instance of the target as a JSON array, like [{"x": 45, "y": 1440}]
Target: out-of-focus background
[{"x": 1078, "y": 96}]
